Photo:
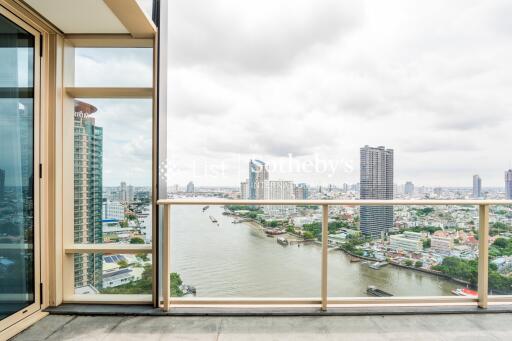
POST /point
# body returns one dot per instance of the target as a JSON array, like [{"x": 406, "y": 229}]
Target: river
[{"x": 239, "y": 260}]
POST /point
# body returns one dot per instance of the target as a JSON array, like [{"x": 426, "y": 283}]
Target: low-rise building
[
  {"x": 402, "y": 242},
  {"x": 442, "y": 245}
]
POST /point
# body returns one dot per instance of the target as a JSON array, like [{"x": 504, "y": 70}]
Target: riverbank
[{"x": 426, "y": 271}]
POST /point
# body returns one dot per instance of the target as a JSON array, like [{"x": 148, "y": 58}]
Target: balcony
[
  {"x": 374, "y": 327},
  {"x": 95, "y": 243}
]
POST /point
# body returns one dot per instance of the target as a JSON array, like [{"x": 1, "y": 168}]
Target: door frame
[{"x": 36, "y": 306}]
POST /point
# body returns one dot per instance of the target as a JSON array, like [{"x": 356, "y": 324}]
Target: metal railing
[{"x": 324, "y": 301}]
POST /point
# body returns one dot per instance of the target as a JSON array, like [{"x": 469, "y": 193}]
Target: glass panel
[
  {"x": 500, "y": 250},
  {"x": 113, "y": 67},
  {"x": 112, "y": 179},
  {"x": 244, "y": 251},
  {"x": 117, "y": 274},
  {"x": 426, "y": 251},
  {"x": 16, "y": 168}
]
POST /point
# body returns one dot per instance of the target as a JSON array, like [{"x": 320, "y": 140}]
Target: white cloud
[
  {"x": 319, "y": 79},
  {"x": 323, "y": 78}
]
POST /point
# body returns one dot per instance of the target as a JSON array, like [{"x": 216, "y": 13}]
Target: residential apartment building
[
  {"x": 278, "y": 190},
  {"x": 258, "y": 173},
  {"x": 477, "y": 186},
  {"x": 88, "y": 189},
  {"x": 376, "y": 182},
  {"x": 508, "y": 184}
]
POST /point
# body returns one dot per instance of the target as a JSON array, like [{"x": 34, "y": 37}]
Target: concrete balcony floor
[{"x": 310, "y": 328}]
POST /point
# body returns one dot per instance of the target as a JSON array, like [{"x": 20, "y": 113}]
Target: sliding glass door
[{"x": 19, "y": 177}]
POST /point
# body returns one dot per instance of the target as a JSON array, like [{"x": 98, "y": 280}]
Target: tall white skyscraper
[
  {"x": 278, "y": 190},
  {"x": 477, "y": 186},
  {"x": 376, "y": 177},
  {"x": 258, "y": 173},
  {"x": 508, "y": 184}
]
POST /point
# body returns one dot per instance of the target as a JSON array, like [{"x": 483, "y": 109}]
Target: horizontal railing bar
[
  {"x": 109, "y": 248},
  {"x": 243, "y": 301},
  {"x": 401, "y": 300},
  {"x": 109, "y": 299},
  {"x": 332, "y": 301},
  {"x": 333, "y": 202}
]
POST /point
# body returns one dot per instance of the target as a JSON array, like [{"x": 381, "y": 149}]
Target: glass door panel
[{"x": 18, "y": 237}]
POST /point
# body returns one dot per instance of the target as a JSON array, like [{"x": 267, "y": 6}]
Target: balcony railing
[{"x": 323, "y": 301}]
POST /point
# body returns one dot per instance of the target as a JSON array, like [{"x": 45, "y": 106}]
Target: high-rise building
[
  {"x": 123, "y": 192},
  {"x": 190, "y": 187},
  {"x": 130, "y": 193},
  {"x": 345, "y": 187},
  {"x": 244, "y": 190},
  {"x": 477, "y": 186},
  {"x": 278, "y": 190},
  {"x": 301, "y": 191},
  {"x": 88, "y": 189},
  {"x": 258, "y": 173},
  {"x": 508, "y": 184},
  {"x": 409, "y": 188},
  {"x": 376, "y": 177}
]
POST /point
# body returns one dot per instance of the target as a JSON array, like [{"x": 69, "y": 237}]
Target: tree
[
  {"x": 122, "y": 263},
  {"x": 501, "y": 243},
  {"x": 418, "y": 264},
  {"x": 143, "y": 256},
  {"x": 309, "y": 235},
  {"x": 426, "y": 243},
  {"x": 408, "y": 262},
  {"x": 144, "y": 285},
  {"x": 136, "y": 240},
  {"x": 176, "y": 282},
  {"x": 273, "y": 223}
]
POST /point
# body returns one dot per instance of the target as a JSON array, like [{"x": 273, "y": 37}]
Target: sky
[{"x": 303, "y": 84}]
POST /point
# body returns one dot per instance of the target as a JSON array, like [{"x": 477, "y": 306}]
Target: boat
[
  {"x": 283, "y": 241},
  {"x": 188, "y": 289},
  {"x": 464, "y": 292},
  {"x": 374, "y": 291},
  {"x": 213, "y": 219},
  {"x": 378, "y": 265},
  {"x": 274, "y": 232},
  {"x": 354, "y": 259},
  {"x": 205, "y": 208}
]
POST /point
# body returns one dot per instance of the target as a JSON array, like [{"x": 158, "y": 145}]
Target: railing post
[
  {"x": 325, "y": 245},
  {"x": 166, "y": 257},
  {"x": 483, "y": 255}
]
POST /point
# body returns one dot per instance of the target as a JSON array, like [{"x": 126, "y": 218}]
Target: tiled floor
[{"x": 145, "y": 328}]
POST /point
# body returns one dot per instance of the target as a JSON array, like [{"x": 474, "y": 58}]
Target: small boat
[
  {"x": 274, "y": 232},
  {"x": 354, "y": 259},
  {"x": 283, "y": 241},
  {"x": 378, "y": 265},
  {"x": 188, "y": 289},
  {"x": 205, "y": 208},
  {"x": 213, "y": 219},
  {"x": 464, "y": 292},
  {"x": 374, "y": 291}
]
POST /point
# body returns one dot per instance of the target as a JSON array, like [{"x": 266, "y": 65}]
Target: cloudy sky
[{"x": 303, "y": 84}]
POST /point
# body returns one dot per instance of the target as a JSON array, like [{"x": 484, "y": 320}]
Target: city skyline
[{"x": 240, "y": 104}]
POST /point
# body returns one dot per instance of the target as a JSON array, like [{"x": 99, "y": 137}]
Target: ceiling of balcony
[{"x": 79, "y": 16}]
